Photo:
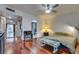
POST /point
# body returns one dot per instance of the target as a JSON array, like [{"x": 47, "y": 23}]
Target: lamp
[{"x": 45, "y": 30}]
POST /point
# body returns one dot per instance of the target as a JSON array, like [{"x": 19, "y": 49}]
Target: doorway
[
  {"x": 13, "y": 35},
  {"x": 10, "y": 32}
]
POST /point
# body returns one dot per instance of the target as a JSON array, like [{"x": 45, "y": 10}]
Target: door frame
[{"x": 13, "y": 30}]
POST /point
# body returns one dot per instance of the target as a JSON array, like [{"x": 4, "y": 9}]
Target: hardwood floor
[
  {"x": 77, "y": 49},
  {"x": 28, "y": 47},
  {"x": 18, "y": 47}
]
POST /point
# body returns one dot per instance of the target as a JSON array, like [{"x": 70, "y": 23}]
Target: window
[{"x": 34, "y": 27}]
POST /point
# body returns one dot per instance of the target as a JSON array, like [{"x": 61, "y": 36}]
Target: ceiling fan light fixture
[
  {"x": 47, "y": 11},
  {"x": 48, "y": 8}
]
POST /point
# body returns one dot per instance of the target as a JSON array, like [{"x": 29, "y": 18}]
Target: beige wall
[{"x": 59, "y": 23}]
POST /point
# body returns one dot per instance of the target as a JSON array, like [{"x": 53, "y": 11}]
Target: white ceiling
[
  {"x": 36, "y": 9},
  {"x": 27, "y": 8},
  {"x": 67, "y": 13}
]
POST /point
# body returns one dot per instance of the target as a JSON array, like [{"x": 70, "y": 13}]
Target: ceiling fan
[{"x": 50, "y": 7}]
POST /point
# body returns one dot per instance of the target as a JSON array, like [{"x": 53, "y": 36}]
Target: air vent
[{"x": 9, "y": 9}]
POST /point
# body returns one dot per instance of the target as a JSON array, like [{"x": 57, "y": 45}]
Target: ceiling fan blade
[
  {"x": 43, "y": 5},
  {"x": 56, "y": 5},
  {"x": 48, "y": 6},
  {"x": 54, "y": 11},
  {"x": 77, "y": 28}
]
